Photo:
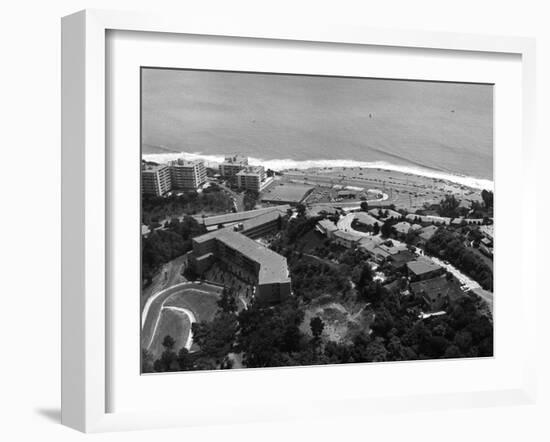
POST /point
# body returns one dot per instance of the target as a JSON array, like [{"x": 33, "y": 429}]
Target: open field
[
  {"x": 164, "y": 311},
  {"x": 341, "y": 323}
]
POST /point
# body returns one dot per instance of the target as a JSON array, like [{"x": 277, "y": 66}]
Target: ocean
[{"x": 431, "y": 128}]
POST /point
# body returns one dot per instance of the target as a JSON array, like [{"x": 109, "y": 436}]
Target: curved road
[
  {"x": 150, "y": 315},
  {"x": 185, "y": 311}
]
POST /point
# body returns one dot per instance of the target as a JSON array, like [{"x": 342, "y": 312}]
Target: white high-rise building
[
  {"x": 155, "y": 179},
  {"x": 187, "y": 175},
  {"x": 252, "y": 178},
  {"x": 232, "y": 165}
]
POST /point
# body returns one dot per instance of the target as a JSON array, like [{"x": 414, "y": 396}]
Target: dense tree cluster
[
  {"x": 311, "y": 280},
  {"x": 269, "y": 336},
  {"x": 212, "y": 199},
  {"x": 250, "y": 199},
  {"x": 449, "y": 245},
  {"x": 161, "y": 246}
]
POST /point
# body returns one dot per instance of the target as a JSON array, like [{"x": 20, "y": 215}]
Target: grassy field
[
  {"x": 203, "y": 305},
  {"x": 173, "y": 323},
  {"x": 199, "y": 299}
]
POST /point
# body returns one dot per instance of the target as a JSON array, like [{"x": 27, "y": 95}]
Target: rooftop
[
  {"x": 328, "y": 225},
  {"x": 432, "y": 287},
  {"x": 251, "y": 170},
  {"x": 401, "y": 258},
  {"x": 261, "y": 220},
  {"x": 236, "y": 159},
  {"x": 148, "y": 167},
  {"x": 347, "y": 236},
  {"x": 180, "y": 162},
  {"x": 273, "y": 267},
  {"x": 365, "y": 218},
  {"x": 231, "y": 218},
  {"x": 369, "y": 243},
  {"x": 422, "y": 266},
  {"x": 402, "y": 227},
  {"x": 427, "y": 232}
]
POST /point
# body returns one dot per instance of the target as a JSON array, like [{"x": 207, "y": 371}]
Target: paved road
[
  {"x": 344, "y": 224},
  {"x": 238, "y": 198},
  {"x": 472, "y": 285},
  {"x": 154, "y": 305},
  {"x": 192, "y": 319}
]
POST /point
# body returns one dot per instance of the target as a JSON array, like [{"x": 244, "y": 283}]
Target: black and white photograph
[{"x": 301, "y": 220}]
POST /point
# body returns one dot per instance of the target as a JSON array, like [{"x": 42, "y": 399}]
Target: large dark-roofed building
[
  {"x": 228, "y": 219},
  {"x": 252, "y": 262}
]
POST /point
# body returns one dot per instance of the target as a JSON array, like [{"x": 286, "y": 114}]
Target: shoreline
[{"x": 289, "y": 165}]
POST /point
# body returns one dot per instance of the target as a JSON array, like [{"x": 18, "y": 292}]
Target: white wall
[{"x": 30, "y": 221}]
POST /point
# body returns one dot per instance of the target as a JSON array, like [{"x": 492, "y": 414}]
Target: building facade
[
  {"x": 232, "y": 165},
  {"x": 187, "y": 175},
  {"x": 251, "y": 178},
  {"x": 155, "y": 179},
  {"x": 249, "y": 260}
]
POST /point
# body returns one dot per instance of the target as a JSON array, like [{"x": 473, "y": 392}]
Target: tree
[
  {"x": 168, "y": 342},
  {"x": 146, "y": 361},
  {"x": 487, "y": 197},
  {"x": 376, "y": 229},
  {"x": 365, "y": 206},
  {"x": 449, "y": 206},
  {"x": 387, "y": 229},
  {"x": 301, "y": 210},
  {"x": 184, "y": 359},
  {"x": 227, "y": 301},
  {"x": 317, "y": 326}
]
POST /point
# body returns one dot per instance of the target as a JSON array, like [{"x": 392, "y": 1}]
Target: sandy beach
[{"x": 404, "y": 190}]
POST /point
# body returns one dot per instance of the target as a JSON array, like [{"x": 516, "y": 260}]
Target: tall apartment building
[
  {"x": 187, "y": 175},
  {"x": 232, "y": 165},
  {"x": 251, "y": 178},
  {"x": 155, "y": 179}
]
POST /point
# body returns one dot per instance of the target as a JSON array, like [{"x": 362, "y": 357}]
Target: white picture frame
[{"x": 85, "y": 197}]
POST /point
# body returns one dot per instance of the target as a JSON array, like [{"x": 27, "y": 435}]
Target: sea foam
[{"x": 287, "y": 164}]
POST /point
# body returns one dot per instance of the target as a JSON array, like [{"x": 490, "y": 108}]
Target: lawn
[
  {"x": 173, "y": 323},
  {"x": 203, "y": 304}
]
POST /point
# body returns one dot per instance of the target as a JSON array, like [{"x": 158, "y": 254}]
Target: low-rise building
[
  {"x": 368, "y": 244},
  {"x": 423, "y": 268},
  {"x": 402, "y": 228},
  {"x": 399, "y": 260},
  {"x": 436, "y": 292},
  {"x": 155, "y": 179},
  {"x": 427, "y": 232},
  {"x": 346, "y": 239},
  {"x": 326, "y": 227}
]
